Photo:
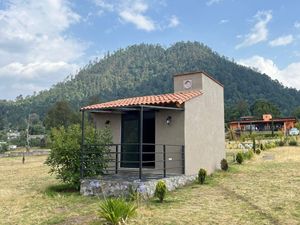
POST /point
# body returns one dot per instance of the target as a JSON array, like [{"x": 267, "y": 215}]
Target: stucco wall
[
  {"x": 172, "y": 134},
  {"x": 204, "y": 129},
  {"x": 196, "y": 79},
  {"x": 114, "y": 125}
]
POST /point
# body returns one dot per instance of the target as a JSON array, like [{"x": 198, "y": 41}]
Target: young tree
[
  {"x": 64, "y": 158},
  {"x": 61, "y": 114}
]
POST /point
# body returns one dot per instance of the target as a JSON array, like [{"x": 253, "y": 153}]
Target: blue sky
[{"x": 41, "y": 42}]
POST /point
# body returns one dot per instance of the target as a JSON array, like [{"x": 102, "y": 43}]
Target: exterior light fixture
[
  {"x": 107, "y": 122},
  {"x": 169, "y": 120}
]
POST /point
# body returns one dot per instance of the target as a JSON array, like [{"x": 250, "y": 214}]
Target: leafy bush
[
  {"x": 117, "y": 210},
  {"x": 258, "y": 151},
  {"x": 134, "y": 195},
  {"x": 281, "y": 143},
  {"x": 201, "y": 176},
  {"x": 262, "y": 146},
  {"x": 3, "y": 147},
  {"x": 270, "y": 145},
  {"x": 224, "y": 164},
  {"x": 160, "y": 190},
  {"x": 248, "y": 155},
  {"x": 64, "y": 158},
  {"x": 239, "y": 157},
  {"x": 293, "y": 143}
]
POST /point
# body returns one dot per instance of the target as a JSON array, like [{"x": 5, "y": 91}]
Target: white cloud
[
  {"x": 289, "y": 76},
  {"x": 297, "y": 24},
  {"x": 33, "y": 70},
  {"x": 282, "y": 41},
  {"x": 135, "y": 12},
  {"x": 223, "y": 21},
  {"x": 211, "y": 2},
  {"x": 174, "y": 22},
  {"x": 259, "y": 32},
  {"x": 34, "y": 45}
]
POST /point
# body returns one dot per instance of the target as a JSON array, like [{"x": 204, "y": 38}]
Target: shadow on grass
[{"x": 61, "y": 189}]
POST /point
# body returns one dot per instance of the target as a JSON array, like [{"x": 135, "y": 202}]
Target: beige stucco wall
[
  {"x": 172, "y": 134},
  {"x": 204, "y": 129},
  {"x": 196, "y": 79},
  {"x": 114, "y": 126}
]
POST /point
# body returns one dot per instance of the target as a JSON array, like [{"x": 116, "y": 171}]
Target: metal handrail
[{"x": 112, "y": 156}]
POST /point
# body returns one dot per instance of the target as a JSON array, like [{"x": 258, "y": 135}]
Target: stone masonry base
[{"x": 121, "y": 187}]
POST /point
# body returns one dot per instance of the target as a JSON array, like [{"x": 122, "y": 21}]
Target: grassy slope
[{"x": 259, "y": 192}]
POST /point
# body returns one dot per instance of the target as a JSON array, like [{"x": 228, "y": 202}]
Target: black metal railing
[{"x": 132, "y": 159}]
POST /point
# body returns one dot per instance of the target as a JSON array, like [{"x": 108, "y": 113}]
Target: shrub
[
  {"x": 3, "y": 147},
  {"x": 134, "y": 195},
  {"x": 117, "y": 210},
  {"x": 293, "y": 143},
  {"x": 248, "y": 155},
  {"x": 65, "y": 154},
  {"x": 160, "y": 190},
  {"x": 239, "y": 157},
  {"x": 224, "y": 164},
  {"x": 281, "y": 143},
  {"x": 201, "y": 176},
  {"x": 270, "y": 145},
  {"x": 258, "y": 151},
  {"x": 262, "y": 146}
]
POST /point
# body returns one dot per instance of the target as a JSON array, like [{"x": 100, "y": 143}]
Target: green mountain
[{"x": 147, "y": 69}]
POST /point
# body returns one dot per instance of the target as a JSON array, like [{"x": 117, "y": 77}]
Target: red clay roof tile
[{"x": 176, "y": 98}]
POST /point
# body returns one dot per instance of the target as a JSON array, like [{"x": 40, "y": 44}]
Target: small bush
[
  {"x": 3, "y": 147},
  {"x": 248, "y": 155},
  {"x": 270, "y": 145},
  {"x": 262, "y": 146},
  {"x": 258, "y": 151},
  {"x": 293, "y": 143},
  {"x": 281, "y": 143},
  {"x": 224, "y": 164},
  {"x": 160, "y": 190},
  {"x": 201, "y": 176},
  {"x": 116, "y": 210},
  {"x": 239, "y": 157},
  {"x": 134, "y": 195}
]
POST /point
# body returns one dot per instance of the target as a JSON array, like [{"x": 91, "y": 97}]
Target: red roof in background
[
  {"x": 264, "y": 121},
  {"x": 175, "y": 98}
]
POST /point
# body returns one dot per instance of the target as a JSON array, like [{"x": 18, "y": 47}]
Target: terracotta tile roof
[{"x": 175, "y": 98}]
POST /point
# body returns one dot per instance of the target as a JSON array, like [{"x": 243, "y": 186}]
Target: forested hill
[{"x": 148, "y": 69}]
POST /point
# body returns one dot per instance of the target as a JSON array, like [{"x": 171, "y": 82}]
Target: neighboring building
[
  {"x": 267, "y": 123},
  {"x": 36, "y": 136},
  {"x": 176, "y": 133},
  {"x": 13, "y": 135}
]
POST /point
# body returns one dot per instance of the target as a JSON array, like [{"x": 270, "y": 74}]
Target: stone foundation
[{"x": 111, "y": 186}]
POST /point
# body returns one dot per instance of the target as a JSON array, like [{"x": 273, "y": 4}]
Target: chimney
[{"x": 188, "y": 81}]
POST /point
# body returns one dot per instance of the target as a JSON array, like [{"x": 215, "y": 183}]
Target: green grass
[{"x": 264, "y": 190}]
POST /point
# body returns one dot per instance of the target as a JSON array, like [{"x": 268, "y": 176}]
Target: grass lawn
[{"x": 264, "y": 190}]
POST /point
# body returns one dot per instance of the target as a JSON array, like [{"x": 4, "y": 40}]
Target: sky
[{"x": 42, "y": 42}]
